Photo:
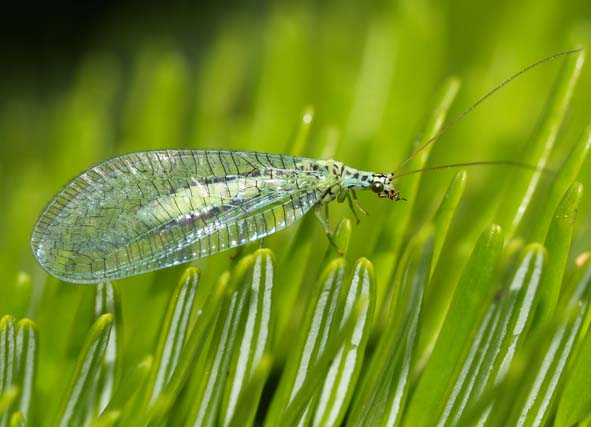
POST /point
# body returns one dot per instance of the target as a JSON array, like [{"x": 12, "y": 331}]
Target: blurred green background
[{"x": 80, "y": 84}]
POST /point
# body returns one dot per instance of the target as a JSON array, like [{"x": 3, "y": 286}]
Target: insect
[{"x": 144, "y": 211}]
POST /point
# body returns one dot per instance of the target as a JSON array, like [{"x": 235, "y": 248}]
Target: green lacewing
[{"x": 144, "y": 211}]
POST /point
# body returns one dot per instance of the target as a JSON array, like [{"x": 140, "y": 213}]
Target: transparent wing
[{"x": 143, "y": 211}]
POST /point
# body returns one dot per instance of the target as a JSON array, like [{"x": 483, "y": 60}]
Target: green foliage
[{"x": 468, "y": 304}]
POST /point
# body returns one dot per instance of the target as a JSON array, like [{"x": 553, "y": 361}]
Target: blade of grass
[
  {"x": 27, "y": 348},
  {"x": 311, "y": 340},
  {"x": 341, "y": 378},
  {"x": 539, "y": 392},
  {"x": 207, "y": 405},
  {"x": 472, "y": 296},
  {"x": 473, "y": 364},
  {"x": 245, "y": 410},
  {"x": 88, "y": 365},
  {"x": 437, "y": 298},
  {"x": 574, "y": 404},
  {"x": 515, "y": 314},
  {"x": 387, "y": 336},
  {"x": 253, "y": 338},
  {"x": 194, "y": 354},
  {"x": 7, "y": 398},
  {"x": 170, "y": 347},
  {"x": 382, "y": 397},
  {"x": 521, "y": 185},
  {"x": 107, "y": 419},
  {"x": 558, "y": 242},
  {"x": 175, "y": 328},
  {"x": 505, "y": 393},
  {"x": 292, "y": 265},
  {"x": 17, "y": 420},
  {"x": 311, "y": 383},
  {"x": 129, "y": 396},
  {"x": 107, "y": 300},
  {"x": 567, "y": 174},
  {"x": 21, "y": 297},
  {"x": 445, "y": 212},
  {"x": 208, "y": 399},
  {"x": 8, "y": 364}
]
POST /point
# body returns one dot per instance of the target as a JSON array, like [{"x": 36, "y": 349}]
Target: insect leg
[
  {"x": 350, "y": 200},
  {"x": 357, "y": 204},
  {"x": 323, "y": 219}
]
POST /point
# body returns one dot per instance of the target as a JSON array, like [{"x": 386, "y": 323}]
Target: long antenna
[
  {"x": 486, "y": 163},
  {"x": 477, "y": 103}
]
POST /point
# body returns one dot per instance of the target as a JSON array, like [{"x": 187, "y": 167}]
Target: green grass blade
[
  {"x": 558, "y": 243},
  {"x": 574, "y": 405},
  {"x": 254, "y": 337},
  {"x": 472, "y": 296},
  {"x": 445, "y": 212},
  {"x": 7, "y": 399},
  {"x": 107, "y": 300},
  {"x": 8, "y": 363},
  {"x": 312, "y": 339},
  {"x": 128, "y": 399},
  {"x": 311, "y": 383},
  {"x": 107, "y": 419},
  {"x": 539, "y": 393},
  {"x": 74, "y": 403},
  {"x": 515, "y": 313},
  {"x": 245, "y": 409},
  {"x": 567, "y": 174},
  {"x": 194, "y": 356},
  {"x": 175, "y": 329},
  {"x": 437, "y": 298},
  {"x": 473, "y": 364},
  {"x": 17, "y": 419},
  {"x": 342, "y": 376},
  {"x": 296, "y": 284},
  {"x": 21, "y": 298},
  {"x": 27, "y": 349},
  {"x": 392, "y": 315},
  {"x": 381, "y": 398},
  {"x": 292, "y": 265},
  {"x": 521, "y": 185},
  {"x": 232, "y": 319}
]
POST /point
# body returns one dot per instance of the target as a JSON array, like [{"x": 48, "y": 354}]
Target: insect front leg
[
  {"x": 323, "y": 219},
  {"x": 354, "y": 203},
  {"x": 357, "y": 204},
  {"x": 352, "y": 207}
]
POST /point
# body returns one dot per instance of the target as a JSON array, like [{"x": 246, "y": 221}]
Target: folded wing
[{"x": 144, "y": 211}]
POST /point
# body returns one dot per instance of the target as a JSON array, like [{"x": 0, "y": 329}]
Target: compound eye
[{"x": 377, "y": 187}]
